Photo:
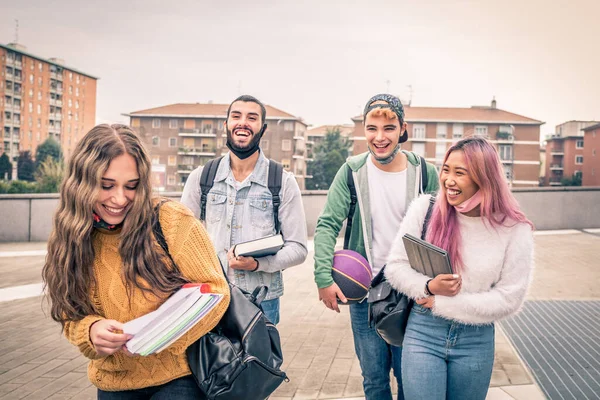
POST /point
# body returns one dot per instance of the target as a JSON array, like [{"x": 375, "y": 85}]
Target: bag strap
[
  {"x": 353, "y": 200},
  {"x": 274, "y": 183},
  {"x": 158, "y": 232},
  {"x": 424, "y": 176},
  {"x": 427, "y": 217},
  {"x": 207, "y": 179}
]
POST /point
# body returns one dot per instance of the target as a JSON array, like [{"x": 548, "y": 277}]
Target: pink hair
[{"x": 498, "y": 206}]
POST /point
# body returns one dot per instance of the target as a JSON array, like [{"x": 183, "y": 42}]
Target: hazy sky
[{"x": 322, "y": 60}]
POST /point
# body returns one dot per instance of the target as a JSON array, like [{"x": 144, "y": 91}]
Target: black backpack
[
  {"x": 207, "y": 179},
  {"x": 241, "y": 357},
  {"x": 353, "y": 198}
]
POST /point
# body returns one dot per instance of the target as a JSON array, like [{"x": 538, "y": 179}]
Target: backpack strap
[
  {"x": 427, "y": 217},
  {"x": 424, "y": 176},
  {"x": 274, "y": 183},
  {"x": 158, "y": 232},
  {"x": 207, "y": 179},
  {"x": 353, "y": 200}
]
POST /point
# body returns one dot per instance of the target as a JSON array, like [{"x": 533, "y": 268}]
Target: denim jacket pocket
[
  {"x": 261, "y": 213},
  {"x": 215, "y": 207}
]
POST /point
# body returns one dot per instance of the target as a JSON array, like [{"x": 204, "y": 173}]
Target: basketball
[{"x": 352, "y": 273}]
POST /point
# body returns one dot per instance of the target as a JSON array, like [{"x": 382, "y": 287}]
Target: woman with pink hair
[{"x": 448, "y": 349}]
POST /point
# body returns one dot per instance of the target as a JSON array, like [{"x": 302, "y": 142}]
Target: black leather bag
[
  {"x": 389, "y": 308},
  {"x": 241, "y": 357}
]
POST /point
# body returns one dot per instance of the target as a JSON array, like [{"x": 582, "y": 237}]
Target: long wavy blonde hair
[{"x": 68, "y": 271}]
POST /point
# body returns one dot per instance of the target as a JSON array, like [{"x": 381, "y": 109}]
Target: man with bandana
[
  {"x": 239, "y": 206},
  {"x": 386, "y": 179}
]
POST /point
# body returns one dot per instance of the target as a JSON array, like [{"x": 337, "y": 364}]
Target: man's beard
[{"x": 247, "y": 150}]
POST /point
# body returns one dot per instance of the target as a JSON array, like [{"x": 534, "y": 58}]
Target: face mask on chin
[{"x": 245, "y": 152}]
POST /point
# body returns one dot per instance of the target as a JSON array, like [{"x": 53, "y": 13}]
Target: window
[
  {"x": 219, "y": 143},
  {"x": 172, "y": 142},
  {"x": 171, "y": 180},
  {"x": 579, "y": 144},
  {"x": 39, "y": 95},
  {"x": 135, "y": 122},
  {"x": 505, "y": 151},
  {"x": 172, "y": 160},
  {"x": 77, "y": 79},
  {"x": 440, "y": 150},
  {"x": 39, "y": 109},
  {"x": 30, "y": 92},
  {"x": 40, "y": 66},
  {"x": 286, "y": 145},
  {"x": 286, "y": 163},
  {"x": 481, "y": 130},
  {"x": 173, "y": 123},
  {"x": 419, "y": 131},
  {"x": 39, "y": 123},
  {"x": 207, "y": 128},
  {"x": 155, "y": 140},
  {"x": 76, "y": 91},
  {"x": 579, "y": 160},
  {"x": 70, "y": 76},
  {"x": 31, "y": 78},
  {"x": 593, "y": 152},
  {"x": 441, "y": 130},
  {"x": 457, "y": 131},
  {"x": 155, "y": 123},
  {"x": 155, "y": 160},
  {"x": 419, "y": 148},
  {"x": 30, "y": 107},
  {"x": 264, "y": 144},
  {"x": 288, "y": 126},
  {"x": 70, "y": 89},
  {"x": 76, "y": 104},
  {"x": 508, "y": 172}
]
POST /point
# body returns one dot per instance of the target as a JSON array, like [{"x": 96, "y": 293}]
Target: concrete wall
[{"x": 28, "y": 217}]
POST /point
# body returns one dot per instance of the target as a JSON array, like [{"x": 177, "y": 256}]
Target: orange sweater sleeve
[
  {"x": 78, "y": 333},
  {"x": 194, "y": 254}
]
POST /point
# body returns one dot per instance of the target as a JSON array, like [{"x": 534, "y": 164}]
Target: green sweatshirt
[{"x": 336, "y": 209}]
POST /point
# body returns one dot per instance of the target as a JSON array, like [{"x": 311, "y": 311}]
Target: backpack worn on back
[
  {"x": 207, "y": 179},
  {"x": 353, "y": 198},
  {"x": 241, "y": 357}
]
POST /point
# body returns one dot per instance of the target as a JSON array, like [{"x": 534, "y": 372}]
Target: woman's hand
[
  {"x": 107, "y": 337},
  {"x": 427, "y": 302},
  {"x": 446, "y": 285}
]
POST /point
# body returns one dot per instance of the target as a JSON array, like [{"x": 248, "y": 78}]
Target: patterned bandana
[
  {"x": 393, "y": 103},
  {"x": 99, "y": 223}
]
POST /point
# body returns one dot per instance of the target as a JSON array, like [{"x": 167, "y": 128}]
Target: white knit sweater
[{"x": 498, "y": 265}]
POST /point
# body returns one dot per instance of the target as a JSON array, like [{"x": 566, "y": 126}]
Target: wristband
[{"x": 427, "y": 291}]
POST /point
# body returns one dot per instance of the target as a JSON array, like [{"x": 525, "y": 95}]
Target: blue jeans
[
  {"x": 444, "y": 359},
  {"x": 271, "y": 310},
  {"x": 182, "y": 388},
  {"x": 376, "y": 357}
]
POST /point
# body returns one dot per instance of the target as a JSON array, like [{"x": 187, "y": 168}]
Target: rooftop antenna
[
  {"x": 410, "y": 94},
  {"x": 16, "y": 31}
]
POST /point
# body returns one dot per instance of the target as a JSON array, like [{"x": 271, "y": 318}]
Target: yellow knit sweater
[{"x": 195, "y": 256}]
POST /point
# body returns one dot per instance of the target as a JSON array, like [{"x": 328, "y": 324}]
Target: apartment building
[
  {"x": 41, "y": 98},
  {"x": 591, "y": 156},
  {"x": 431, "y": 130},
  {"x": 565, "y": 151},
  {"x": 181, "y": 137}
]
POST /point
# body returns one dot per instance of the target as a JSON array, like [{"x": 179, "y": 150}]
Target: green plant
[{"x": 49, "y": 176}]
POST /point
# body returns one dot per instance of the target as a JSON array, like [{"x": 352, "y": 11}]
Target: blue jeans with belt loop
[{"x": 444, "y": 359}]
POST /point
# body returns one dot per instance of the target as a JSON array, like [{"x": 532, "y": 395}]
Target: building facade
[
  {"x": 432, "y": 130},
  {"x": 181, "y": 137},
  {"x": 591, "y": 156},
  {"x": 41, "y": 98},
  {"x": 314, "y": 136}
]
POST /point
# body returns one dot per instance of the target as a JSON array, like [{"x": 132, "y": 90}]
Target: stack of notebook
[{"x": 157, "y": 330}]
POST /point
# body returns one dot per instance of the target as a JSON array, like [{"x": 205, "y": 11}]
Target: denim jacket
[{"x": 235, "y": 216}]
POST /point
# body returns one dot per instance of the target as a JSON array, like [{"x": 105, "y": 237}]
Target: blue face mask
[{"x": 388, "y": 159}]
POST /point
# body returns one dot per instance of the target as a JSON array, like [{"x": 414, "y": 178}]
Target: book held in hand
[
  {"x": 266, "y": 246},
  {"x": 426, "y": 258},
  {"x": 157, "y": 330}
]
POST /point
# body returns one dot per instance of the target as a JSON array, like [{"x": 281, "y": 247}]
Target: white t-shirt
[{"x": 387, "y": 194}]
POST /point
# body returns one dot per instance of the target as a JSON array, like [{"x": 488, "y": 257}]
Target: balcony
[
  {"x": 555, "y": 181},
  {"x": 18, "y": 64},
  {"x": 9, "y": 76},
  {"x": 557, "y": 152},
  {"x": 55, "y": 116},
  {"x": 18, "y": 78},
  {"x": 298, "y": 137},
  {"x": 505, "y": 136},
  {"x": 16, "y": 122},
  {"x": 185, "y": 169},
  {"x": 201, "y": 152},
  {"x": 56, "y": 75},
  {"x": 54, "y": 129},
  {"x": 556, "y": 167},
  {"x": 207, "y": 133}
]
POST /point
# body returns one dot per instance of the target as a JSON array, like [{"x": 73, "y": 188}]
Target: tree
[
  {"x": 575, "y": 180},
  {"x": 49, "y": 175},
  {"x": 25, "y": 166},
  {"x": 5, "y": 167},
  {"x": 49, "y": 148},
  {"x": 329, "y": 155}
]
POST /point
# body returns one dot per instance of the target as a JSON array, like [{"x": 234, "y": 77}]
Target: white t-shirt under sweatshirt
[
  {"x": 387, "y": 197},
  {"x": 498, "y": 265}
]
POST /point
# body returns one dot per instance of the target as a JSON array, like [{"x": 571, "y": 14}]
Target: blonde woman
[{"x": 104, "y": 266}]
